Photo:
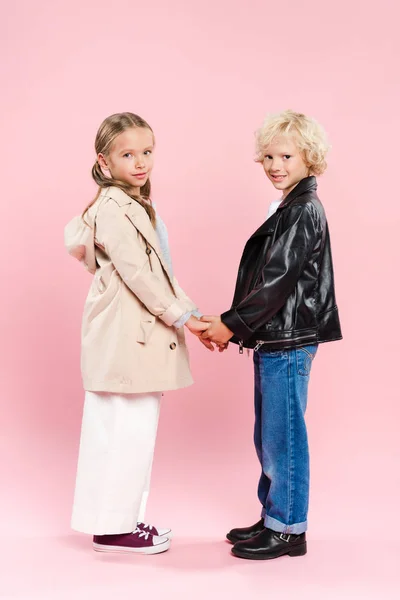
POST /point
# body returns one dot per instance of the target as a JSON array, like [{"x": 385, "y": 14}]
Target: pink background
[{"x": 203, "y": 74}]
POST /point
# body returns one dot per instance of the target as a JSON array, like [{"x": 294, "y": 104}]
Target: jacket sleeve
[
  {"x": 284, "y": 264},
  {"x": 118, "y": 237}
]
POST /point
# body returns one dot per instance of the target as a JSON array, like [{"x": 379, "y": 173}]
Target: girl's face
[
  {"x": 131, "y": 157},
  {"x": 284, "y": 164}
]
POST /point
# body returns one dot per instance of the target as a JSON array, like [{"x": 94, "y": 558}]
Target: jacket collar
[
  {"x": 140, "y": 219},
  {"x": 305, "y": 185},
  {"x": 135, "y": 212},
  {"x": 116, "y": 194}
]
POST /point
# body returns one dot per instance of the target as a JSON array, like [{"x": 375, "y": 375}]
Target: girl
[{"x": 133, "y": 344}]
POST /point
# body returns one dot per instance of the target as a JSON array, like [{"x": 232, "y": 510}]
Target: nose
[
  {"x": 276, "y": 165},
  {"x": 139, "y": 161}
]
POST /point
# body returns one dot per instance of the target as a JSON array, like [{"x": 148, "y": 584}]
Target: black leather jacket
[{"x": 285, "y": 294}]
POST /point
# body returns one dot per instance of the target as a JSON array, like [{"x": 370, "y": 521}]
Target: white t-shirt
[{"x": 273, "y": 206}]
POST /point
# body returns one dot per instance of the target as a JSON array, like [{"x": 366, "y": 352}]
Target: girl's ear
[{"x": 102, "y": 162}]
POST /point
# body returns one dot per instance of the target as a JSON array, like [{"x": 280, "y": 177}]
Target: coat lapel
[{"x": 140, "y": 220}]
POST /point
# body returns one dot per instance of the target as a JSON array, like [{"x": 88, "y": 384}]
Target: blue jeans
[{"x": 280, "y": 436}]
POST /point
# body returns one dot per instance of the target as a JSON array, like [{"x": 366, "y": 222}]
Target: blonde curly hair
[{"x": 308, "y": 135}]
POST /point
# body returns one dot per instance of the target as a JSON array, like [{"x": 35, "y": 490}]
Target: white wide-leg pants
[{"x": 115, "y": 459}]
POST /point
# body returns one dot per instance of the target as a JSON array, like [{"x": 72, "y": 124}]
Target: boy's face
[{"x": 284, "y": 164}]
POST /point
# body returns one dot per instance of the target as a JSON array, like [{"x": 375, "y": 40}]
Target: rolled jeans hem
[{"x": 275, "y": 525}]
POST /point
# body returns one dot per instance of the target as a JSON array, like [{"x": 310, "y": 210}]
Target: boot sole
[
  {"x": 127, "y": 550},
  {"x": 299, "y": 550}
]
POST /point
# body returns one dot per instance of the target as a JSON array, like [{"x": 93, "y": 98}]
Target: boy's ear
[{"x": 309, "y": 168}]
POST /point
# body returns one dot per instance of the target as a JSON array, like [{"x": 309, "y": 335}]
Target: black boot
[
  {"x": 245, "y": 533},
  {"x": 271, "y": 544}
]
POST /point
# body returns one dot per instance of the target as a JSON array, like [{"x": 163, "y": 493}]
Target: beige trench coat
[{"x": 129, "y": 344}]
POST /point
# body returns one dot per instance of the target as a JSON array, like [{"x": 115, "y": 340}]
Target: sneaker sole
[{"x": 127, "y": 550}]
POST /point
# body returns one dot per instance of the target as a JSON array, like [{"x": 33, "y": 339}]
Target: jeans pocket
[
  {"x": 304, "y": 358},
  {"x": 273, "y": 364}
]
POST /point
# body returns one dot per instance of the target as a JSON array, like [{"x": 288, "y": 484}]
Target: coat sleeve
[
  {"x": 117, "y": 235},
  {"x": 190, "y": 305},
  {"x": 284, "y": 264}
]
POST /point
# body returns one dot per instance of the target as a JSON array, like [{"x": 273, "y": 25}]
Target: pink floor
[{"x": 65, "y": 568}]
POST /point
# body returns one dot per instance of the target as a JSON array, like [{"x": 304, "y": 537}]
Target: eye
[
  {"x": 268, "y": 157},
  {"x": 287, "y": 156},
  {"x": 147, "y": 152},
  {"x": 127, "y": 155}
]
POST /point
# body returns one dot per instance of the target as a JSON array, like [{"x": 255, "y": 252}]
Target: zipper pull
[
  {"x": 258, "y": 346},
  {"x": 240, "y": 346}
]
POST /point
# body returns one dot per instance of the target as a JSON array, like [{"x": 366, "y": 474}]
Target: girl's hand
[
  {"x": 199, "y": 329},
  {"x": 196, "y": 326},
  {"x": 210, "y": 346},
  {"x": 207, "y": 344}
]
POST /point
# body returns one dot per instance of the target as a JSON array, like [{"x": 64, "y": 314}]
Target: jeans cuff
[
  {"x": 263, "y": 513},
  {"x": 276, "y": 525}
]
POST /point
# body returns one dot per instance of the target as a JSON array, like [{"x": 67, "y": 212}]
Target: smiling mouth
[
  {"x": 139, "y": 174},
  {"x": 277, "y": 177}
]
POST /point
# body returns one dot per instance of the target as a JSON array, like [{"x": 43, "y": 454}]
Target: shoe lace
[
  {"x": 145, "y": 526},
  {"x": 141, "y": 533}
]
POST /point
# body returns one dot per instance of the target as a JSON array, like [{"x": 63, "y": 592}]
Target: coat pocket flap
[{"x": 146, "y": 326}]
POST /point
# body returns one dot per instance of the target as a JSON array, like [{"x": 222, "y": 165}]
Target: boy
[{"x": 284, "y": 306}]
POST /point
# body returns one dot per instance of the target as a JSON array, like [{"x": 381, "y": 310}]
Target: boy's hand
[{"x": 216, "y": 332}]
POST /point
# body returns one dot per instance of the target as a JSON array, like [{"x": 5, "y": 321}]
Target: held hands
[
  {"x": 196, "y": 327},
  {"x": 216, "y": 332},
  {"x": 200, "y": 327}
]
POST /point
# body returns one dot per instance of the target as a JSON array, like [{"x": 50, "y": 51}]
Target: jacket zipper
[{"x": 261, "y": 342}]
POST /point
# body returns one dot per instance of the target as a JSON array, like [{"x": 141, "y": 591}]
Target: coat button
[
  {"x": 172, "y": 346},
  {"x": 148, "y": 250}
]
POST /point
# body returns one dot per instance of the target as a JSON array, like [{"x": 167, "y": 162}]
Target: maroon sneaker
[
  {"x": 155, "y": 530},
  {"x": 139, "y": 542}
]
